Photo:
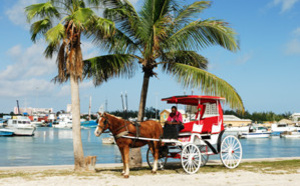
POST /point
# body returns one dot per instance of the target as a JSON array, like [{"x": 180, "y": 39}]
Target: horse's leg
[
  {"x": 156, "y": 156},
  {"x": 126, "y": 162},
  {"x": 122, "y": 155}
]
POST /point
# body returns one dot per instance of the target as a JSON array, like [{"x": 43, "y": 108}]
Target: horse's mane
[{"x": 114, "y": 117}]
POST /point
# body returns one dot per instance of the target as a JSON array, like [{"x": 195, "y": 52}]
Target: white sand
[
  {"x": 219, "y": 178},
  {"x": 238, "y": 177}
]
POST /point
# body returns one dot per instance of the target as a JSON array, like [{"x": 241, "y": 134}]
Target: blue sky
[{"x": 265, "y": 71}]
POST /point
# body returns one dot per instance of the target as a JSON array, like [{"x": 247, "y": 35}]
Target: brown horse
[{"x": 119, "y": 127}]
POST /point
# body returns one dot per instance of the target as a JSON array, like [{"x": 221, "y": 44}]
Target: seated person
[{"x": 173, "y": 124}]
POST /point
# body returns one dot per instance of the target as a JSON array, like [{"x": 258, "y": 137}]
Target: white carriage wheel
[
  {"x": 161, "y": 161},
  {"x": 204, "y": 155},
  {"x": 190, "y": 158},
  {"x": 231, "y": 152}
]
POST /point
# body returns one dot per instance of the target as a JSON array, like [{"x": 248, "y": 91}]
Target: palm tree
[
  {"x": 62, "y": 23},
  {"x": 167, "y": 34}
]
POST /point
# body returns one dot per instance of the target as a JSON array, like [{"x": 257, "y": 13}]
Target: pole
[
  {"x": 90, "y": 108},
  {"x": 18, "y": 106}
]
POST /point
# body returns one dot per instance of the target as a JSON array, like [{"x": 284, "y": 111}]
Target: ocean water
[{"x": 51, "y": 146}]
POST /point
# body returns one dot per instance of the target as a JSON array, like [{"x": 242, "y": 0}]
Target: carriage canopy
[{"x": 192, "y": 99}]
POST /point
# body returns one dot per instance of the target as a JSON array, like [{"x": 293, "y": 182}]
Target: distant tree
[{"x": 259, "y": 117}]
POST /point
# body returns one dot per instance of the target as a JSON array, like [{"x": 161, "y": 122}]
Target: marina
[{"x": 52, "y": 146}]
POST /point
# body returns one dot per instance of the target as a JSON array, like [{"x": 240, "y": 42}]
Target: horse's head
[{"x": 102, "y": 124}]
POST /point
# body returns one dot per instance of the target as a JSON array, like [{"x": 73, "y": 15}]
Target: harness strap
[
  {"x": 138, "y": 131},
  {"x": 121, "y": 134}
]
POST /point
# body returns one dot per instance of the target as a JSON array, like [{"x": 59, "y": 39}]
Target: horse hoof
[
  {"x": 126, "y": 176},
  {"x": 153, "y": 172}
]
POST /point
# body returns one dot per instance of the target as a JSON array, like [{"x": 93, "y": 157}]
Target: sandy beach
[{"x": 63, "y": 175}]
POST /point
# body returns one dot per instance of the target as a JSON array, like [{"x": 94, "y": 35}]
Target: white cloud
[
  {"x": 244, "y": 58},
  {"x": 297, "y": 31},
  {"x": 285, "y": 4},
  {"x": 28, "y": 72},
  {"x": 17, "y": 12},
  {"x": 65, "y": 90},
  {"x": 27, "y": 63},
  {"x": 293, "y": 47}
]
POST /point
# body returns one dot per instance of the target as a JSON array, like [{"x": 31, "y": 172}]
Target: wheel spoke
[{"x": 231, "y": 151}]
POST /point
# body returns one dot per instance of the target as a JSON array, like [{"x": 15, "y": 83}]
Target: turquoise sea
[{"x": 51, "y": 146}]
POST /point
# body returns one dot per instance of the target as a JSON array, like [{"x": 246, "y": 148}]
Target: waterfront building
[
  {"x": 295, "y": 117},
  {"x": 232, "y": 120},
  {"x": 33, "y": 111}
]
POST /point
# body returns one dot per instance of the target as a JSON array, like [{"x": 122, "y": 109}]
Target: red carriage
[{"x": 202, "y": 135}]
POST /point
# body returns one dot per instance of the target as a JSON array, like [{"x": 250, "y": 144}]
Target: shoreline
[
  {"x": 110, "y": 175},
  {"x": 118, "y": 165}
]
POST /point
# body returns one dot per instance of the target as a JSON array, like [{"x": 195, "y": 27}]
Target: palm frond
[
  {"x": 94, "y": 2},
  {"x": 99, "y": 28},
  {"x": 210, "y": 84},
  {"x": 103, "y": 68},
  {"x": 201, "y": 34},
  {"x": 39, "y": 28},
  {"x": 51, "y": 49},
  {"x": 55, "y": 34},
  {"x": 186, "y": 14},
  {"x": 41, "y": 10},
  {"x": 190, "y": 58},
  {"x": 82, "y": 15},
  {"x": 126, "y": 17}
]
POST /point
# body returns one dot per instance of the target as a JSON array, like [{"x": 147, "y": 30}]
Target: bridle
[{"x": 106, "y": 123}]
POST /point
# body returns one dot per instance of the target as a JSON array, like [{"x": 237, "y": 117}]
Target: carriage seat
[{"x": 202, "y": 127}]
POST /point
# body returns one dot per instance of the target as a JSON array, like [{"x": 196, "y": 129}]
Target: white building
[
  {"x": 295, "y": 117},
  {"x": 235, "y": 121},
  {"x": 33, "y": 111}
]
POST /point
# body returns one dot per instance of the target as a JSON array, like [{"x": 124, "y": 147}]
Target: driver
[{"x": 175, "y": 118}]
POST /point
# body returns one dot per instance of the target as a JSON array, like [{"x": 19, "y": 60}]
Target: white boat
[
  {"x": 108, "y": 140},
  {"x": 6, "y": 132},
  {"x": 37, "y": 123},
  {"x": 278, "y": 128},
  {"x": 255, "y": 132},
  {"x": 21, "y": 126},
  {"x": 290, "y": 134},
  {"x": 64, "y": 123}
]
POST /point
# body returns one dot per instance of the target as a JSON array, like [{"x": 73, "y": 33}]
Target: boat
[
  {"x": 255, "y": 132},
  {"x": 37, "y": 123},
  {"x": 21, "y": 126},
  {"x": 290, "y": 134},
  {"x": 65, "y": 123},
  {"x": 278, "y": 128},
  {"x": 89, "y": 124},
  {"x": 109, "y": 140},
  {"x": 6, "y": 132}
]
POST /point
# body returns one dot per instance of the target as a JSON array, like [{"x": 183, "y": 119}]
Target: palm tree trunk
[
  {"x": 143, "y": 97},
  {"x": 77, "y": 142},
  {"x": 135, "y": 154}
]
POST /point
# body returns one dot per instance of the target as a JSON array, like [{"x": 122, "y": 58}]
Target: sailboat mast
[{"x": 90, "y": 108}]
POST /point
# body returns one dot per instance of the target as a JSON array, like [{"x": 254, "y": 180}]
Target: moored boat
[
  {"x": 256, "y": 132},
  {"x": 278, "y": 128},
  {"x": 21, "y": 126},
  {"x": 6, "y": 132},
  {"x": 89, "y": 124},
  {"x": 290, "y": 134},
  {"x": 108, "y": 140}
]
